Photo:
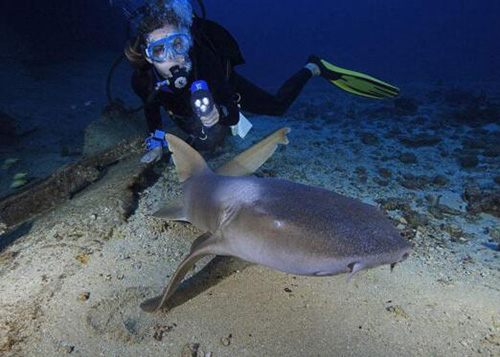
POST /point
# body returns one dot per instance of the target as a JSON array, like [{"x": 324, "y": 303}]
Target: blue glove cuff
[{"x": 156, "y": 140}]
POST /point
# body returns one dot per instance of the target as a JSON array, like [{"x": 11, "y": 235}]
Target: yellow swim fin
[{"x": 354, "y": 82}]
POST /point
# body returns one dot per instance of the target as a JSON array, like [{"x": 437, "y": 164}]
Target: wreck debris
[{"x": 62, "y": 185}]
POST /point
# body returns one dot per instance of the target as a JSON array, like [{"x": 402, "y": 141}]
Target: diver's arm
[
  {"x": 229, "y": 113},
  {"x": 141, "y": 84},
  {"x": 153, "y": 117}
]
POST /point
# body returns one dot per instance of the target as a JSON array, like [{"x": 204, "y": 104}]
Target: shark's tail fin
[{"x": 187, "y": 160}]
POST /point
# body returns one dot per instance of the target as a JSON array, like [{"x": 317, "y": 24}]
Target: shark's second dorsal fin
[{"x": 187, "y": 160}]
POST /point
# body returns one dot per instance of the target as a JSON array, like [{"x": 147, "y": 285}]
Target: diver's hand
[
  {"x": 210, "y": 119},
  {"x": 153, "y": 155}
]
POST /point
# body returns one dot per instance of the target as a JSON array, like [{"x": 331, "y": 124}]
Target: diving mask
[{"x": 177, "y": 44}]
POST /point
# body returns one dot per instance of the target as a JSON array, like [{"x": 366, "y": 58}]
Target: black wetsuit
[{"x": 214, "y": 55}]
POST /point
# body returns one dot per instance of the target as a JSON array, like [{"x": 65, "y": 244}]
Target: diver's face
[{"x": 164, "y": 67}]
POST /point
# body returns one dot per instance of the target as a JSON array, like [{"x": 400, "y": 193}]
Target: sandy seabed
[{"x": 72, "y": 282}]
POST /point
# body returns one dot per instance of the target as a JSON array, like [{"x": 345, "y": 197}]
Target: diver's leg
[
  {"x": 258, "y": 101},
  {"x": 202, "y": 138},
  {"x": 210, "y": 138}
]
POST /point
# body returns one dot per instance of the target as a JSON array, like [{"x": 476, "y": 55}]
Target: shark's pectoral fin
[
  {"x": 202, "y": 246},
  {"x": 173, "y": 211},
  {"x": 251, "y": 159}
]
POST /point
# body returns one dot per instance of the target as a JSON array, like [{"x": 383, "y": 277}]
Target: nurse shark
[{"x": 283, "y": 225}]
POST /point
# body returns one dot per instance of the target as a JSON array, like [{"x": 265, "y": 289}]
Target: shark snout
[
  {"x": 387, "y": 259},
  {"x": 402, "y": 255}
]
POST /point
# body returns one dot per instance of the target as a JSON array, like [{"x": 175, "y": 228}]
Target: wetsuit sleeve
[
  {"x": 141, "y": 84},
  {"x": 212, "y": 72},
  {"x": 229, "y": 113}
]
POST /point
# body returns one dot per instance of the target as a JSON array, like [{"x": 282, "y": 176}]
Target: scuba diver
[{"x": 185, "y": 64}]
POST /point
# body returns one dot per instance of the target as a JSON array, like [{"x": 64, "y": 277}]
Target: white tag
[{"x": 242, "y": 128}]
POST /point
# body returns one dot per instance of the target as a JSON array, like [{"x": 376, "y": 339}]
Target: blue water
[
  {"x": 400, "y": 40},
  {"x": 57, "y": 54}
]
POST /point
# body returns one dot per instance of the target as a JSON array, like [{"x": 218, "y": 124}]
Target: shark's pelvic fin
[
  {"x": 187, "y": 160},
  {"x": 251, "y": 159}
]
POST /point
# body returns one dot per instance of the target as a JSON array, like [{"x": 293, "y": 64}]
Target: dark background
[{"x": 396, "y": 40}]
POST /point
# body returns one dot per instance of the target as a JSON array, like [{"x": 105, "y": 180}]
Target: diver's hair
[
  {"x": 135, "y": 55},
  {"x": 178, "y": 13}
]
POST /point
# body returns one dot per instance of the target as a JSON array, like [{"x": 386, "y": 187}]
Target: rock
[
  {"x": 444, "y": 153},
  {"x": 494, "y": 234},
  {"x": 393, "y": 204},
  {"x": 3, "y": 228},
  {"x": 7, "y": 129},
  {"x": 455, "y": 232},
  {"x": 226, "y": 341},
  {"x": 360, "y": 170},
  {"x": 83, "y": 258},
  {"x": 439, "y": 210},
  {"x": 492, "y": 151},
  {"x": 160, "y": 331},
  {"x": 114, "y": 126},
  {"x": 408, "y": 233},
  {"x": 381, "y": 182},
  {"x": 408, "y": 158},
  {"x": 412, "y": 182},
  {"x": 315, "y": 127},
  {"x": 474, "y": 144},
  {"x": 398, "y": 311},
  {"x": 493, "y": 339},
  {"x": 384, "y": 172},
  {"x": 266, "y": 173},
  {"x": 415, "y": 219},
  {"x": 440, "y": 180},
  {"x": 370, "y": 139},
  {"x": 477, "y": 114},
  {"x": 311, "y": 111},
  {"x": 419, "y": 141},
  {"x": 8, "y": 163},
  {"x": 405, "y": 106},
  {"x": 66, "y": 348},
  {"x": 8, "y": 256},
  {"x": 482, "y": 200},
  {"x": 468, "y": 161},
  {"x": 435, "y": 212},
  {"x": 84, "y": 296},
  {"x": 190, "y": 350}
]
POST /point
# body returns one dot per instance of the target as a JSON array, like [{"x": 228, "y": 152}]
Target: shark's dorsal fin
[{"x": 186, "y": 159}]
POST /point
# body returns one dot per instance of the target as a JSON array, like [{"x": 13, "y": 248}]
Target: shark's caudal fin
[
  {"x": 251, "y": 159},
  {"x": 187, "y": 160}
]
